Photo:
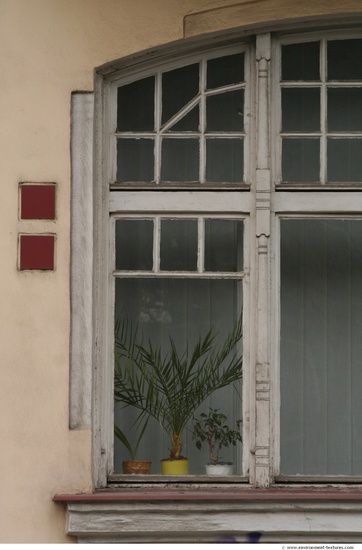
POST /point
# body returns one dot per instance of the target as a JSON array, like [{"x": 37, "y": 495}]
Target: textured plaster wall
[{"x": 49, "y": 48}]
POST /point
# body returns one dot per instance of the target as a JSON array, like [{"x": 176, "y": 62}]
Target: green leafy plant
[
  {"x": 133, "y": 450},
  {"x": 211, "y": 429},
  {"x": 170, "y": 387}
]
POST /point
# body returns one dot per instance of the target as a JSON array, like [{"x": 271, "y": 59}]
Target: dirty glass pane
[
  {"x": 300, "y": 160},
  {"x": 226, "y": 70},
  {"x": 223, "y": 245},
  {"x": 225, "y": 160},
  {"x": 344, "y": 160},
  {"x": 344, "y": 59},
  {"x": 178, "y": 88},
  {"x": 134, "y": 244},
  {"x": 179, "y": 245},
  {"x": 135, "y": 159},
  {"x": 180, "y": 160},
  {"x": 184, "y": 310},
  {"x": 344, "y": 109},
  {"x": 300, "y": 61},
  {"x": 300, "y": 110},
  {"x": 321, "y": 347},
  {"x": 225, "y": 112},
  {"x": 135, "y": 106}
]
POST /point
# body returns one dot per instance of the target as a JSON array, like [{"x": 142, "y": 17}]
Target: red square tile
[
  {"x": 37, "y": 201},
  {"x": 36, "y": 252}
]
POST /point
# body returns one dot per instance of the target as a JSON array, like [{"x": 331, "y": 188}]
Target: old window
[
  {"x": 320, "y": 256},
  {"x": 321, "y": 118},
  {"x": 178, "y": 260},
  {"x": 230, "y": 184},
  {"x": 176, "y": 278}
]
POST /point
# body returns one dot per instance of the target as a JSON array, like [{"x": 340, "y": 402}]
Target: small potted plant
[
  {"x": 211, "y": 429},
  {"x": 170, "y": 386},
  {"x": 133, "y": 466}
]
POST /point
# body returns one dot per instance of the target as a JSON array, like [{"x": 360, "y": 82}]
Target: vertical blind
[{"x": 321, "y": 346}]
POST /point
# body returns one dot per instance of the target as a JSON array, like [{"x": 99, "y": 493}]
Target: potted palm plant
[
  {"x": 211, "y": 429},
  {"x": 170, "y": 386}
]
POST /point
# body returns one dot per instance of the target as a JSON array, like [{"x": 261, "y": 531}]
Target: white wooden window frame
[
  {"x": 316, "y": 206},
  {"x": 207, "y": 206},
  {"x": 189, "y": 202},
  {"x": 161, "y": 131},
  {"x": 323, "y": 84},
  {"x": 321, "y": 200},
  {"x": 261, "y": 208}
]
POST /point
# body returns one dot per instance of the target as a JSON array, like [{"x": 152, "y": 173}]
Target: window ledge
[
  {"x": 204, "y": 515},
  {"x": 217, "y": 494}
]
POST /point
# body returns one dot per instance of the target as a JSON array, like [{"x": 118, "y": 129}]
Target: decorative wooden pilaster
[{"x": 263, "y": 192}]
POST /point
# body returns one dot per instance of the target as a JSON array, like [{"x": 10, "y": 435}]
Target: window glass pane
[
  {"x": 180, "y": 160},
  {"x": 225, "y": 160},
  {"x": 135, "y": 160},
  {"x": 188, "y": 123},
  {"x": 225, "y": 112},
  {"x": 223, "y": 245},
  {"x": 300, "y": 110},
  {"x": 300, "y": 160},
  {"x": 226, "y": 70},
  {"x": 136, "y": 106},
  {"x": 344, "y": 59},
  {"x": 344, "y": 109},
  {"x": 178, "y": 88},
  {"x": 134, "y": 244},
  {"x": 321, "y": 347},
  {"x": 179, "y": 245},
  {"x": 182, "y": 310},
  {"x": 344, "y": 160},
  {"x": 300, "y": 61}
]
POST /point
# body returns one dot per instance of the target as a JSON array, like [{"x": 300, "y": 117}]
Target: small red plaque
[
  {"x": 37, "y": 251},
  {"x": 37, "y": 202}
]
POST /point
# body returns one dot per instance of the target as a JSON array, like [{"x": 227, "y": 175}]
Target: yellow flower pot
[{"x": 175, "y": 466}]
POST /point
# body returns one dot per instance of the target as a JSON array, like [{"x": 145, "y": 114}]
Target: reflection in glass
[
  {"x": 135, "y": 160},
  {"x": 300, "y": 61},
  {"x": 223, "y": 245},
  {"x": 180, "y": 160},
  {"x": 300, "y": 110},
  {"x": 179, "y": 245},
  {"x": 136, "y": 106},
  {"x": 344, "y": 160},
  {"x": 321, "y": 347},
  {"x": 344, "y": 109},
  {"x": 226, "y": 70},
  {"x": 225, "y": 112},
  {"x": 224, "y": 160},
  {"x": 300, "y": 160},
  {"x": 183, "y": 310},
  {"x": 134, "y": 244}
]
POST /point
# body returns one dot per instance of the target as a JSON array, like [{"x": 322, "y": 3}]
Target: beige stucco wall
[{"x": 49, "y": 48}]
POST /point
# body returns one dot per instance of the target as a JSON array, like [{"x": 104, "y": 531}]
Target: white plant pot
[{"x": 225, "y": 469}]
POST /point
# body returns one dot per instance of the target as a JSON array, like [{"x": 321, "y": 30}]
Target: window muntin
[
  {"x": 320, "y": 120},
  {"x": 179, "y": 121},
  {"x": 321, "y": 323},
  {"x": 194, "y": 288}
]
